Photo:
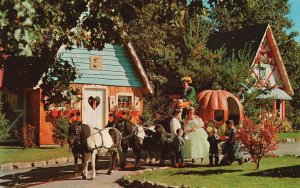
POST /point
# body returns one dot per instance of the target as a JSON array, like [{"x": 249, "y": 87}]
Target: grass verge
[
  {"x": 289, "y": 135},
  {"x": 274, "y": 172},
  {"x": 13, "y": 154}
]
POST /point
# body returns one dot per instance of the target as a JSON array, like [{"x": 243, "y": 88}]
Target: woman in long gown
[{"x": 196, "y": 145}]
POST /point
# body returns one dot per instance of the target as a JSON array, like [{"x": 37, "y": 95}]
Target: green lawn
[
  {"x": 11, "y": 154},
  {"x": 273, "y": 173},
  {"x": 289, "y": 135}
]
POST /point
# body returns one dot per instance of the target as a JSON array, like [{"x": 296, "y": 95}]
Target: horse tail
[{"x": 116, "y": 136}]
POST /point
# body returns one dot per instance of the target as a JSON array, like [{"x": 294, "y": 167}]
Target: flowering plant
[{"x": 258, "y": 139}]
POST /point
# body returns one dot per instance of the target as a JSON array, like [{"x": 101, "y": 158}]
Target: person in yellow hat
[{"x": 188, "y": 94}]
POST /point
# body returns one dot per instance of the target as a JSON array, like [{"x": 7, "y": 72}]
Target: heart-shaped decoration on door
[{"x": 94, "y": 102}]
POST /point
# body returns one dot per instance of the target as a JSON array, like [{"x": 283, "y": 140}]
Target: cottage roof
[{"x": 119, "y": 66}]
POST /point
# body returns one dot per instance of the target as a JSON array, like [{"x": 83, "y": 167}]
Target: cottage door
[{"x": 93, "y": 104}]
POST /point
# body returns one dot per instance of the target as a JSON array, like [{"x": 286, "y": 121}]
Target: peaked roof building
[
  {"x": 267, "y": 65},
  {"x": 261, "y": 41}
]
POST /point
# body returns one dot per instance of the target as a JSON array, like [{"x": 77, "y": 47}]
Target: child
[
  {"x": 111, "y": 121},
  {"x": 213, "y": 140},
  {"x": 178, "y": 143}
]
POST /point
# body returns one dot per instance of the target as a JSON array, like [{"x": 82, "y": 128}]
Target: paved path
[
  {"x": 62, "y": 176},
  {"x": 52, "y": 176},
  {"x": 292, "y": 148}
]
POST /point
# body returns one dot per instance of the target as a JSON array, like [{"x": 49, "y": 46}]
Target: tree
[
  {"x": 212, "y": 69},
  {"x": 157, "y": 35},
  {"x": 258, "y": 131},
  {"x": 39, "y": 28}
]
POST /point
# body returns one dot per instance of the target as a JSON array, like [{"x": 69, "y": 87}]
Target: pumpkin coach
[{"x": 219, "y": 106}]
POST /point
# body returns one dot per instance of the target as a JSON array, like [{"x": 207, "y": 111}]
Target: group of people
[
  {"x": 194, "y": 144},
  {"x": 191, "y": 140}
]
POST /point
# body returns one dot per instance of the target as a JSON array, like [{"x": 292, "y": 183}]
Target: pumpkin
[{"x": 219, "y": 106}]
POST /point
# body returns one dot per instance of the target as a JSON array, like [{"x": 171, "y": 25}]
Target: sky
[{"x": 295, "y": 16}]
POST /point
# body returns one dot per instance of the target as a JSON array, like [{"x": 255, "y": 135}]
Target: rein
[{"x": 158, "y": 118}]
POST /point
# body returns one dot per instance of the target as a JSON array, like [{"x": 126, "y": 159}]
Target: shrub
[
  {"x": 26, "y": 135},
  {"x": 60, "y": 130},
  {"x": 284, "y": 125}
]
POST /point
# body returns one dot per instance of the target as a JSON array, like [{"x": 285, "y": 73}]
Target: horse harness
[{"x": 98, "y": 148}]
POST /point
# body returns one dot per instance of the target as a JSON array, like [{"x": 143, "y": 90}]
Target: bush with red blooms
[{"x": 258, "y": 139}]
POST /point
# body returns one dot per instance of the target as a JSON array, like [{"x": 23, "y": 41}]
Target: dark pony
[
  {"x": 150, "y": 144},
  {"x": 165, "y": 146},
  {"x": 153, "y": 141},
  {"x": 133, "y": 138},
  {"x": 141, "y": 138}
]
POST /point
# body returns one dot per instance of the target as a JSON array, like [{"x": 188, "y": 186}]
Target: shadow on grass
[
  {"x": 38, "y": 176},
  {"x": 207, "y": 172},
  {"x": 282, "y": 172}
]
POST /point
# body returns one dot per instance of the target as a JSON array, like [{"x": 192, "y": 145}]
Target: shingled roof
[{"x": 237, "y": 39}]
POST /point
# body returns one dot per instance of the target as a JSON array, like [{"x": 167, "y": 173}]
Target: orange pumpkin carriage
[{"x": 218, "y": 106}]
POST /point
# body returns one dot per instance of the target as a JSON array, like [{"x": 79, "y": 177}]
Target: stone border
[
  {"x": 125, "y": 181},
  {"x": 289, "y": 140},
  {"x": 25, "y": 165}
]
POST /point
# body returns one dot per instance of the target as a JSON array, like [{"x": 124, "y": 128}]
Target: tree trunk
[{"x": 257, "y": 165}]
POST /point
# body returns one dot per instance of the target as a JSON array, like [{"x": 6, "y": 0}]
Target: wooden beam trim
[{"x": 279, "y": 62}]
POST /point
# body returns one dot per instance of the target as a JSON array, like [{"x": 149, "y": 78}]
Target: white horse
[{"x": 102, "y": 142}]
